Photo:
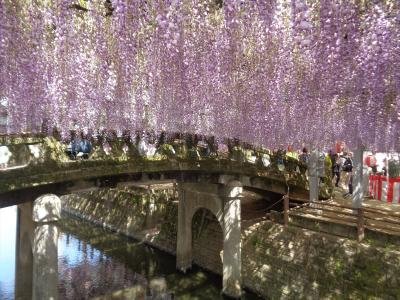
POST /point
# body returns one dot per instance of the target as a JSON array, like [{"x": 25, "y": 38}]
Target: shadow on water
[{"x": 95, "y": 262}]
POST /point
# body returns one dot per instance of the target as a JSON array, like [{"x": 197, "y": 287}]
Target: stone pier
[
  {"x": 224, "y": 202},
  {"x": 23, "y": 253},
  {"x": 36, "y": 274},
  {"x": 46, "y": 212}
]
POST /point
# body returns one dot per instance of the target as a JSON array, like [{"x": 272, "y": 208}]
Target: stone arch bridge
[{"x": 34, "y": 172}]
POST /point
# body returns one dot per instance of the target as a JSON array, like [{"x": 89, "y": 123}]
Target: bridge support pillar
[
  {"x": 46, "y": 212},
  {"x": 23, "y": 252},
  {"x": 224, "y": 202},
  {"x": 232, "y": 257},
  {"x": 184, "y": 236}
]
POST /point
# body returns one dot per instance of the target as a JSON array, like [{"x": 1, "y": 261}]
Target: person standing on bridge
[
  {"x": 336, "y": 167},
  {"x": 304, "y": 157},
  {"x": 73, "y": 146},
  {"x": 85, "y": 147},
  {"x": 348, "y": 170}
]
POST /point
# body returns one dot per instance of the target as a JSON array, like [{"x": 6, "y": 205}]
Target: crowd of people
[
  {"x": 341, "y": 165},
  {"x": 147, "y": 143},
  {"x": 336, "y": 166},
  {"x": 79, "y": 148}
]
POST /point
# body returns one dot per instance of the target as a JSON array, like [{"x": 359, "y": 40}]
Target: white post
[
  {"x": 365, "y": 182},
  {"x": 232, "y": 255},
  {"x": 358, "y": 175},
  {"x": 389, "y": 156}
]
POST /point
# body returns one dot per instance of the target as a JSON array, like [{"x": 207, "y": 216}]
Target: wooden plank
[
  {"x": 327, "y": 219},
  {"x": 382, "y": 219},
  {"x": 332, "y": 210},
  {"x": 382, "y": 212}
]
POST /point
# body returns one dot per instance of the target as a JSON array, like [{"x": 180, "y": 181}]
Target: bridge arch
[
  {"x": 224, "y": 202},
  {"x": 207, "y": 240}
]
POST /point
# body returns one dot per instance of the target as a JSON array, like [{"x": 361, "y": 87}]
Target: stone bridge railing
[{"x": 28, "y": 162}]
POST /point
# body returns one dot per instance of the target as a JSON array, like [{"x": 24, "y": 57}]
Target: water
[
  {"x": 8, "y": 217},
  {"x": 94, "y": 262}
]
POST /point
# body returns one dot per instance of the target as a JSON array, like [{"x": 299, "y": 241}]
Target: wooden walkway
[{"x": 376, "y": 219}]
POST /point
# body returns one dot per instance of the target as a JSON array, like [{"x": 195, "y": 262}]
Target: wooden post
[
  {"x": 286, "y": 210},
  {"x": 360, "y": 224}
]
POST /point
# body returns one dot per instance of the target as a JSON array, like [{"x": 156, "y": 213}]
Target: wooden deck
[{"x": 376, "y": 219}]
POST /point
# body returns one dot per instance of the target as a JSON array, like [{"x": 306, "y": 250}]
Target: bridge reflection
[{"x": 94, "y": 263}]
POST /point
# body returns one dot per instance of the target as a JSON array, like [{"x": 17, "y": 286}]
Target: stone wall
[
  {"x": 277, "y": 262},
  {"x": 294, "y": 263},
  {"x": 132, "y": 212}
]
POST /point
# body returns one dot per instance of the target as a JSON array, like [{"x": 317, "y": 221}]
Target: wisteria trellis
[{"x": 267, "y": 72}]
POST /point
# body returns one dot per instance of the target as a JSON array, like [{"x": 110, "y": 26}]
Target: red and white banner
[{"x": 384, "y": 189}]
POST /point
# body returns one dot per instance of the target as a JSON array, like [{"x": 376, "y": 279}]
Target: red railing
[{"x": 384, "y": 189}]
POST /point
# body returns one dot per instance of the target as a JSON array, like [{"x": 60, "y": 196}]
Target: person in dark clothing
[
  {"x": 280, "y": 155},
  {"x": 73, "y": 149},
  {"x": 85, "y": 147},
  {"x": 348, "y": 168},
  {"x": 73, "y": 146},
  {"x": 304, "y": 157},
  {"x": 351, "y": 184},
  {"x": 336, "y": 166},
  {"x": 348, "y": 164}
]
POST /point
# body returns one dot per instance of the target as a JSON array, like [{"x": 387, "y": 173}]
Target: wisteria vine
[{"x": 299, "y": 72}]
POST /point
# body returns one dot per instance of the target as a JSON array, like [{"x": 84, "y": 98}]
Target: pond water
[
  {"x": 94, "y": 262},
  {"x": 7, "y": 251}
]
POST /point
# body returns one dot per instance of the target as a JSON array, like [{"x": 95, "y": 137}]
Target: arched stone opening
[
  {"x": 207, "y": 240},
  {"x": 224, "y": 202}
]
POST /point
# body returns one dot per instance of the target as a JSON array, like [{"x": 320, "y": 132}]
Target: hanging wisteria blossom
[{"x": 266, "y": 72}]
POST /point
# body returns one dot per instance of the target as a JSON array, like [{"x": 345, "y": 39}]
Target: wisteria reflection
[{"x": 94, "y": 262}]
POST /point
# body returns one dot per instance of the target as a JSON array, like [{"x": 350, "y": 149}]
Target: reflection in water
[
  {"x": 93, "y": 262},
  {"x": 8, "y": 217},
  {"x": 86, "y": 272}
]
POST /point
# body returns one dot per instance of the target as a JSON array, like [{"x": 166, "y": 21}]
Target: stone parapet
[{"x": 34, "y": 161}]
